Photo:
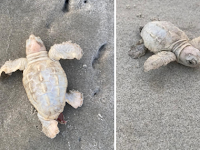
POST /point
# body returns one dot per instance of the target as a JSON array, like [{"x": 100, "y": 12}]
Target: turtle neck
[
  {"x": 178, "y": 46},
  {"x": 42, "y": 55}
]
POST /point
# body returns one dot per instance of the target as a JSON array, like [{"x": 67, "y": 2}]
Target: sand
[
  {"x": 87, "y": 23},
  {"x": 158, "y": 110}
]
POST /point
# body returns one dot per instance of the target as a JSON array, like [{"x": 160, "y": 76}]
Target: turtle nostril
[{"x": 31, "y": 36}]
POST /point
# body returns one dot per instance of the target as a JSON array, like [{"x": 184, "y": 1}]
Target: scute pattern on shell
[
  {"x": 161, "y": 35},
  {"x": 45, "y": 83}
]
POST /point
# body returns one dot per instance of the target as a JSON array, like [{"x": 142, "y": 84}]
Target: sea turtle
[
  {"x": 169, "y": 43},
  {"x": 45, "y": 81}
]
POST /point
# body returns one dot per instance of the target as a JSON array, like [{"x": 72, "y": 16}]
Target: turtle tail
[{"x": 141, "y": 27}]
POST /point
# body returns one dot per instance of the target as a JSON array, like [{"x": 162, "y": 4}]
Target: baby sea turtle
[
  {"x": 45, "y": 81},
  {"x": 169, "y": 43}
]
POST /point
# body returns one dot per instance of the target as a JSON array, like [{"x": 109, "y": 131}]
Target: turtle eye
[{"x": 192, "y": 62}]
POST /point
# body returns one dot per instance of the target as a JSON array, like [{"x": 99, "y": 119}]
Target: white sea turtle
[
  {"x": 169, "y": 43},
  {"x": 45, "y": 81}
]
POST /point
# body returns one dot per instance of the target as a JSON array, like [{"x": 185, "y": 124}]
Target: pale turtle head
[
  {"x": 34, "y": 44},
  {"x": 190, "y": 56}
]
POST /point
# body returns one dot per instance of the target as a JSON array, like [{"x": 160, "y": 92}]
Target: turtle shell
[
  {"x": 45, "y": 83},
  {"x": 162, "y": 35}
]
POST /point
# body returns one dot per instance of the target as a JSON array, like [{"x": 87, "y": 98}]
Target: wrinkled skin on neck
[
  {"x": 190, "y": 56},
  {"x": 34, "y": 44}
]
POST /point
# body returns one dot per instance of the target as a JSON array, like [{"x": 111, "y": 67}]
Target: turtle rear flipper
[
  {"x": 137, "y": 50},
  {"x": 49, "y": 127},
  {"x": 74, "y": 98},
  {"x": 158, "y": 60}
]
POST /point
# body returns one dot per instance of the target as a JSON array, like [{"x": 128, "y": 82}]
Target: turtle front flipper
[
  {"x": 12, "y": 66},
  {"x": 74, "y": 98},
  {"x": 66, "y": 50},
  {"x": 137, "y": 50},
  {"x": 195, "y": 42},
  {"x": 158, "y": 60}
]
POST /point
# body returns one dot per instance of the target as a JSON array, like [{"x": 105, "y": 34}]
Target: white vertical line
[{"x": 115, "y": 125}]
